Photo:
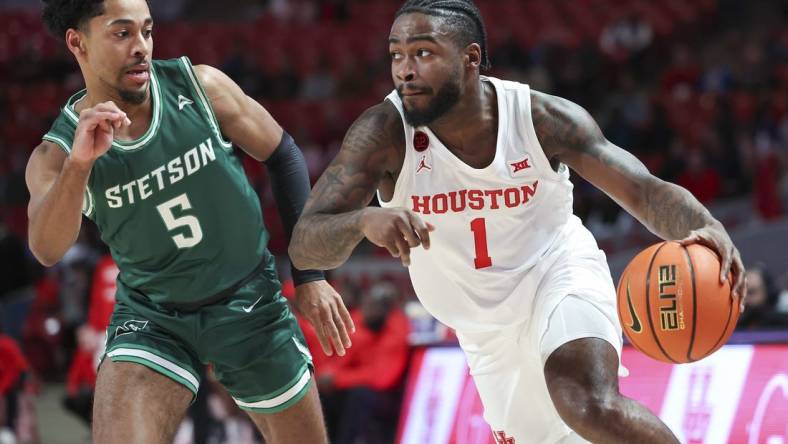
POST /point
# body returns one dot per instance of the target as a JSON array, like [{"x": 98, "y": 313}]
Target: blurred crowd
[{"x": 698, "y": 90}]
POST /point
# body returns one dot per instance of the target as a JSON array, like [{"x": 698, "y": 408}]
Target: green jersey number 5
[{"x": 172, "y": 222}]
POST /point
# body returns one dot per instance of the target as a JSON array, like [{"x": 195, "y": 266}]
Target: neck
[
  {"x": 475, "y": 113},
  {"x": 99, "y": 92}
]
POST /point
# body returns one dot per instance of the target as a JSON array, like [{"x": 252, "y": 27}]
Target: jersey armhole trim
[
  {"x": 543, "y": 163},
  {"x": 188, "y": 69},
  {"x": 89, "y": 204},
  {"x": 396, "y": 198},
  {"x": 58, "y": 141}
]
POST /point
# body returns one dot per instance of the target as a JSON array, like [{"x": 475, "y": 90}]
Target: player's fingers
[
  {"x": 322, "y": 337},
  {"x": 333, "y": 334},
  {"x": 108, "y": 106},
  {"x": 98, "y": 116},
  {"x": 705, "y": 238},
  {"x": 691, "y": 239},
  {"x": 404, "y": 251},
  {"x": 106, "y": 125},
  {"x": 345, "y": 315},
  {"x": 407, "y": 232},
  {"x": 725, "y": 267},
  {"x": 422, "y": 229},
  {"x": 391, "y": 246},
  {"x": 344, "y": 337},
  {"x": 739, "y": 277}
]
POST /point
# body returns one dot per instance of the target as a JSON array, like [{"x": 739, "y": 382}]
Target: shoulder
[
  {"x": 561, "y": 124},
  {"x": 212, "y": 79},
  {"x": 46, "y": 158},
  {"x": 376, "y": 139},
  {"x": 380, "y": 126},
  {"x": 48, "y": 150},
  {"x": 229, "y": 102},
  {"x": 545, "y": 106}
]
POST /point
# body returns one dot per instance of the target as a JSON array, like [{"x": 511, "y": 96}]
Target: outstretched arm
[
  {"x": 336, "y": 216},
  {"x": 569, "y": 134},
  {"x": 248, "y": 125}
]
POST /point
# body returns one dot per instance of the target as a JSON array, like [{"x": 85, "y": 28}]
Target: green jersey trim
[
  {"x": 206, "y": 105},
  {"x": 153, "y": 128},
  {"x": 291, "y": 392},
  {"x": 89, "y": 204},
  {"x": 167, "y": 367},
  {"x": 58, "y": 141}
]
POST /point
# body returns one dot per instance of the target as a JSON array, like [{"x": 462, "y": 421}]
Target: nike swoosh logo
[
  {"x": 636, "y": 327},
  {"x": 249, "y": 308}
]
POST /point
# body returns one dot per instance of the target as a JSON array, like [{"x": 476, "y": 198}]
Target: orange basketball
[{"x": 671, "y": 304}]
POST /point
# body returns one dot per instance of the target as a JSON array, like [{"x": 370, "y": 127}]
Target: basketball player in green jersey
[{"x": 145, "y": 151}]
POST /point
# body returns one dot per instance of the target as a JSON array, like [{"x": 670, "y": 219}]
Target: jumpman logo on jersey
[
  {"x": 423, "y": 165},
  {"x": 501, "y": 438},
  {"x": 183, "y": 101}
]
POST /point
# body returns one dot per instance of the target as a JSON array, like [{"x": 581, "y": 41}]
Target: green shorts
[{"x": 251, "y": 339}]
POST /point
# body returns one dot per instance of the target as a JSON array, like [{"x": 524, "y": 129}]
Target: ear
[
  {"x": 75, "y": 41},
  {"x": 473, "y": 55}
]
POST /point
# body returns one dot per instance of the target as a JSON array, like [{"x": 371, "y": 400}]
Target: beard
[
  {"x": 447, "y": 96},
  {"x": 133, "y": 97}
]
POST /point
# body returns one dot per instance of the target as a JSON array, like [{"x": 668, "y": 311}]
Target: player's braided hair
[{"x": 462, "y": 15}]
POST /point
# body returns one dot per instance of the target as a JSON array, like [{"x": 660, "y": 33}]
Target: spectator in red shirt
[
  {"x": 360, "y": 390},
  {"x": 13, "y": 367},
  {"x": 701, "y": 179}
]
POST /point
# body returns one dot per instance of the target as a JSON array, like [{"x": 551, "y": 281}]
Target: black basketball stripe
[
  {"x": 694, "y": 304},
  {"x": 648, "y": 303}
]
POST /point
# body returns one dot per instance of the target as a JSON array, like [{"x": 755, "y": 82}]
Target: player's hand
[
  {"x": 397, "y": 230},
  {"x": 323, "y": 307},
  {"x": 95, "y": 132},
  {"x": 715, "y": 237}
]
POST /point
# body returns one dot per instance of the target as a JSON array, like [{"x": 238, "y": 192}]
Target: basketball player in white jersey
[{"x": 472, "y": 176}]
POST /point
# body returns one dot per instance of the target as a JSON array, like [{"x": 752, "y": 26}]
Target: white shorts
[{"x": 508, "y": 366}]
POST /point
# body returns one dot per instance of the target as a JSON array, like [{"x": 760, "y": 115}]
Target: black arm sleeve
[{"x": 290, "y": 185}]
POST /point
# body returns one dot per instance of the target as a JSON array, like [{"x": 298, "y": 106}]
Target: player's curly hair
[
  {"x": 463, "y": 17},
  {"x": 62, "y": 15}
]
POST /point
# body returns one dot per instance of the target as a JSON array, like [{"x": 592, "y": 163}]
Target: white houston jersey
[{"x": 492, "y": 224}]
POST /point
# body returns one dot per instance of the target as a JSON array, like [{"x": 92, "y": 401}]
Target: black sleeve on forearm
[{"x": 290, "y": 185}]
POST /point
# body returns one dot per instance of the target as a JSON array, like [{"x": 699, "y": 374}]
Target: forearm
[
  {"x": 290, "y": 184},
  {"x": 56, "y": 219},
  {"x": 671, "y": 212},
  {"x": 325, "y": 241}
]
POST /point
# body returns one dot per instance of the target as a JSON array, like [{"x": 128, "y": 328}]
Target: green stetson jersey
[{"x": 174, "y": 206}]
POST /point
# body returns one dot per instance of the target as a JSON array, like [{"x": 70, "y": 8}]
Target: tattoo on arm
[
  {"x": 329, "y": 226},
  {"x": 672, "y": 212},
  {"x": 568, "y": 133}
]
